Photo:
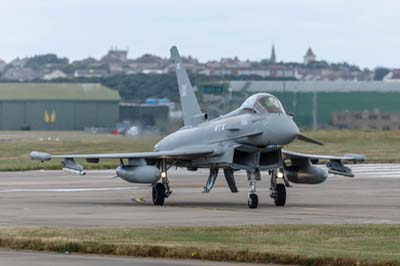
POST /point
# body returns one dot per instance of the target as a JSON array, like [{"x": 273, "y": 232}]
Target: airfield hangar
[
  {"x": 57, "y": 106},
  {"x": 369, "y": 105}
]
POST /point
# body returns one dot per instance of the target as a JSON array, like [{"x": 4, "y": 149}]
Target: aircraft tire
[
  {"x": 280, "y": 195},
  {"x": 253, "y": 201},
  {"x": 158, "y": 194}
]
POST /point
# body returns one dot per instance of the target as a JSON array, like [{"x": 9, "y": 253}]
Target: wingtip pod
[
  {"x": 40, "y": 156},
  {"x": 357, "y": 158}
]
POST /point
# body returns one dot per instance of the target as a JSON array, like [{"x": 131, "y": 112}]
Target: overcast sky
[{"x": 363, "y": 32}]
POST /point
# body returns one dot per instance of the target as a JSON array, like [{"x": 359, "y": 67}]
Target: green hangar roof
[{"x": 57, "y": 91}]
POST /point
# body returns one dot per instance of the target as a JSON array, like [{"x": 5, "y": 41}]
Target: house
[
  {"x": 3, "y": 65},
  {"x": 115, "y": 56},
  {"x": 272, "y": 71},
  {"x": 393, "y": 76},
  {"x": 55, "y": 74},
  {"x": 20, "y": 74},
  {"x": 91, "y": 73},
  {"x": 309, "y": 57},
  {"x": 17, "y": 62}
]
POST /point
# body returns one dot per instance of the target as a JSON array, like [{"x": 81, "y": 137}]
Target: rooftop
[
  {"x": 310, "y": 52},
  {"x": 57, "y": 91},
  {"x": 314, "y": 86}
]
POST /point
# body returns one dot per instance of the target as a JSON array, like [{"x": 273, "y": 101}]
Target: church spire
[{"x": 272, "y": 58}]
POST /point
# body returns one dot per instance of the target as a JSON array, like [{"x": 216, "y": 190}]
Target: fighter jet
[{"x": 251, "y": 138}]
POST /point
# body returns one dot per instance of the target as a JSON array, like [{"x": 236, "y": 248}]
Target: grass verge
[{"x": 283, "y": 244}]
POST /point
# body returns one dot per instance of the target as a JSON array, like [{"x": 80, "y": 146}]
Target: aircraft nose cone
[
  {"x": 292, "y": 131},
  {"x": 282, "y": 131}
]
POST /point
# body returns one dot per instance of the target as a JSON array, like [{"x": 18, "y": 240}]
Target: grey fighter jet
[{"x": 250, "y": 138}]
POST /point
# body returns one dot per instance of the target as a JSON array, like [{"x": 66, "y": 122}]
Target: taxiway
[{"x": 55, "y": 198}]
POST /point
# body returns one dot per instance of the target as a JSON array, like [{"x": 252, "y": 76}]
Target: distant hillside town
[{"x": 50, "y": 67}]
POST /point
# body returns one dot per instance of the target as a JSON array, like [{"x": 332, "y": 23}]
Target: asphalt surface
[
  {"x": 24, "y": 258},
  {"x": 55, "y": 198}
]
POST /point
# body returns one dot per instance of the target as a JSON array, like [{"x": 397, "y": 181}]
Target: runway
[{"x": 55, "y": 198}]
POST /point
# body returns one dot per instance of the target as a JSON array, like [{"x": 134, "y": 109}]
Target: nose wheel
[
  {"x": 252, "y": 201},
  {"x": 252, "y": 177}
]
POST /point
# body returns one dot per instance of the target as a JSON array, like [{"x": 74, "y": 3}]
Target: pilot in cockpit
[{"x": 262, "y": 103}]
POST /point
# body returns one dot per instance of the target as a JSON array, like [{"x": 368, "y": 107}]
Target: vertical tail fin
[{"x": 192, "y": 114}]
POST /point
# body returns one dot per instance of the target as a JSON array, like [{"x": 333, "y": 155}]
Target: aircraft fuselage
[{"x": 267, "y": 129}]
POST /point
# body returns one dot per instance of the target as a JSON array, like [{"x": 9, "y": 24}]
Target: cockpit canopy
[{"x": 262, "y": 103}]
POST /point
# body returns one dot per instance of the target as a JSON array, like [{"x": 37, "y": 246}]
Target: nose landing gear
[
  {"x": 253, "y": 176},
  {"x": 252, "y": 201},
  {"x": 278, "y": 188}
]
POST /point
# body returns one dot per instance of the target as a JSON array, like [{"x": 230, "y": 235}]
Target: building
[
  {"x": 314, "y": 103},
  {"x": 57, "y": 106},
  {"x": 115, "y": 56},
  {"x": 309, "y": 57},
  {"x": 150, "y": 63},
  {"x": 91, "y": 73},
  {"x": 18, "y": 62},
  {"x": 3, "y": 64},
  {"x": 272, "y": 58},
  {"x": 145, "y": 115},
  {"x": 55, "y": 74},
  {"x": 393, "y": 76},
  {"x": 270, "y": 71},
  {"x": 20, "y": 74},
  {"x": 366, "y": 120}
]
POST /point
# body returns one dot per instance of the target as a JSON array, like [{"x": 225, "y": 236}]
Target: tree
[
  {"x": 46, "y": 60},
  {"x": 380, "y": 73}
]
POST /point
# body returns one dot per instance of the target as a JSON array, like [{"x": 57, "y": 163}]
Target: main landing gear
[
  {"x": 158, "y": 194},
  {"x": 161, "y": 190}
]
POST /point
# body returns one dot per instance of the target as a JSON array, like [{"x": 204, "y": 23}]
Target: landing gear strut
[
  {"x": 161, "y": 190},
  {"x": 252, "y": 197},
  {"x": 278, "y": 188},
  {"x": 211, "y": 180}
]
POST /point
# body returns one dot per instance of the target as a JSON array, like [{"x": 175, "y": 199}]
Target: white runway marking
[
  {"x": 376, "y": 170},
  {"x": 65, "y": 189}
]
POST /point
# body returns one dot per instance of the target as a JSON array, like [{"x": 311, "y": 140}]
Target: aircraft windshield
[
  {"x": 263, "y": 103},
  {"x": 268, "y": 104}
]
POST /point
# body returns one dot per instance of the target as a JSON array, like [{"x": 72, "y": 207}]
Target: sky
[{"x": 362, "y": 32}]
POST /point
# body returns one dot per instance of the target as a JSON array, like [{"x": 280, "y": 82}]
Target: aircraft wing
[
  {"x": 183, "y": 153},
  {"x": 69, "y": 164},
  {"x": 335, "y": 163},
  {"x": 357, "y": 158}
]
